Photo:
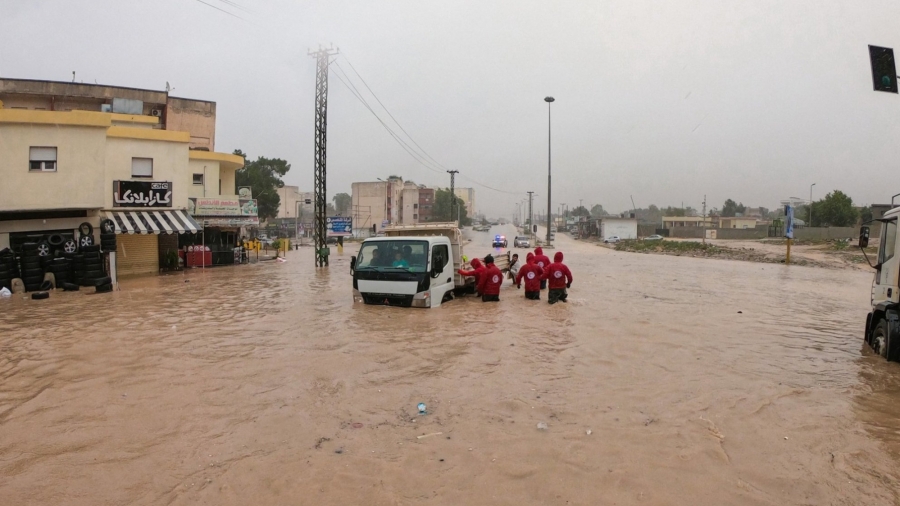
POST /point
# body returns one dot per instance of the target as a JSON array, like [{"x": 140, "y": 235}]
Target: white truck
[
  {"x": 413, "y": 266},
  {"x": 883, "y": 321}
]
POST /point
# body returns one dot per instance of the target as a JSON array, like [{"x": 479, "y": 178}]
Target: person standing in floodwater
[
  {"x": 491, "y": 280},
  {"x": 477, "y": 272},
  {"x": 542, "y": 261},
  {"x": 560, "y": 278},
  {"x": 532, "y": 275}
]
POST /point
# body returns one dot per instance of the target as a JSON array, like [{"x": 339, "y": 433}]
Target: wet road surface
[{"x": 700, "y": 381}]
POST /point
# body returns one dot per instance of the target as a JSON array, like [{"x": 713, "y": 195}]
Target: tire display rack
[{"x": 73, "y": 260}]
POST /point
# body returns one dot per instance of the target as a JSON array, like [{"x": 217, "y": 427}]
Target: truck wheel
[{"x": 881, "y": 339}]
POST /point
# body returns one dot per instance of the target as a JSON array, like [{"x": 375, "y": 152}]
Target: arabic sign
[
  {"x": 142, "y": 194},
  {"x": 789, "y": 221},
  {"x": 222, "y": 207},
  {"x": 230, "y": 221},
  {"x": 339, "y": 226}
]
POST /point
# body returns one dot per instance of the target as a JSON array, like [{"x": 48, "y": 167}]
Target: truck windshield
[{"x": 406, "y": 255}]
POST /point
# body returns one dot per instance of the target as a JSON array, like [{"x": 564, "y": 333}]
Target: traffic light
[{"x": 884, "y": 73}]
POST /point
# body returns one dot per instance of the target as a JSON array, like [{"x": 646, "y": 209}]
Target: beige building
[
  {"x": 370, "y": 206},
  {"x": 468, "y": 197},
  {"x": 687, "y": 221},
  {"x": 296, "y": 204},
  {"x": 67, "y": 158},
  {"x": 737, "y": 222}
]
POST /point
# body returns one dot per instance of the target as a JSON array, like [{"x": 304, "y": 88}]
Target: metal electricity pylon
[
  {"x": 322, "y": 57},
  {"x": 452, "y": 191}
]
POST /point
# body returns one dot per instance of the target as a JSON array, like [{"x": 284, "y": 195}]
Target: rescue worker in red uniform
[
  {"x": 532, "y": 275},
  {"x": 477, "y": 272},
  {"x": 491, "y": 280},
  {"x": 542, "y": 261},
  {"x": 560, "y": 278}
]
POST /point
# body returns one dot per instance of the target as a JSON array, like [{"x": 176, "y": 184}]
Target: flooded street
[{"x": 700, "y": 381}]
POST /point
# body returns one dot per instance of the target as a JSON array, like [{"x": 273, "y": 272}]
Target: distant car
[
  {"x": 521, "y": 241},
  {"x": 499, "y": 241},
  {"x": 654, "y": 237},
  {"x": 613, "y": 239}
]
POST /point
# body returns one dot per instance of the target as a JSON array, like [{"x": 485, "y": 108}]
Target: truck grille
[{"x": 384, "y": 299}]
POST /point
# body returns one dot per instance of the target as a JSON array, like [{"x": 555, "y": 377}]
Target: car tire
[
  {"x": 44, "y": 249},
  {"x": 70, "y": 287},
  {"x": 47, "y": 285},
  {"x": 91, "y": 248},
  {"x": 86, "y": 228},
  {"x": 40, "y": 295},
  {"x": 107, "y": 226},
  {"x": 104, "y": 288},
  {"x": 104, "y": 280},
  {"x": 89, "y": 275},
  {"x": 55, "y": 240},
  {"x": 70, "y": 246},
  {"x": 86, "y": 241},
  {"x": 29, "y": 247}
]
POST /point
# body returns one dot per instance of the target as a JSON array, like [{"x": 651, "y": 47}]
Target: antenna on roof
[
  {"x": 73, "y": 76},
  {"x": 168, "y": 88}
]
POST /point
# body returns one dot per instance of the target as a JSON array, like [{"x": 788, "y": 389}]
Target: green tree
[
  {"x": 442, "y": 211},
  {"x": 342, "y": 204},
  {"x": 597, "y": 211},
  {"x": 264, "y": 177},
  {"x": 674, "y": 211},
  {"x": 731, "y": 208},
  {"x": 580, "y": 211},
  {"x": 865, "y": 214},
  {"x": 835, "y": 210}
]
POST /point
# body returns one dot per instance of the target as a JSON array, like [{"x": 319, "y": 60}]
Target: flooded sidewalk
[{"x": 665, "y": 380}]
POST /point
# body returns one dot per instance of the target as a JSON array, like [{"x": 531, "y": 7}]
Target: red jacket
[
  {"x": 490, "y": 281},
  {"x": 540, "y": 259},
  {"x": 476, "y": 273},
  {"x": 532, "y": 274},
  {"x": 557, "y": 275}
]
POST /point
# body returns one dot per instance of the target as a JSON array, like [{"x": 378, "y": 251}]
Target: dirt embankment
[{"x": 832, "y": 255}]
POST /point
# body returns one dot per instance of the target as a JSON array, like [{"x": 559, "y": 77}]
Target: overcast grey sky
[{"x": 662, "y": 100}]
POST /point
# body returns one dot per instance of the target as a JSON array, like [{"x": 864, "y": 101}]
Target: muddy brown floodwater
[{"x": 700, "y": 381}]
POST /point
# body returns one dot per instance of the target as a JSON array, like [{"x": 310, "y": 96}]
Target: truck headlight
[
  {"x": 422, "y": 299},
  {"x": 357, "y": 297}
]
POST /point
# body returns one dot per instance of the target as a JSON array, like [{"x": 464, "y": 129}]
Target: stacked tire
[
  {"x": 107, "y": 235},
  {"x": 30, "y": 267},
  {"x": 8, "y": 268},
  {"x": 92, "y": 265},
  {"x": 59, "y": 266}
]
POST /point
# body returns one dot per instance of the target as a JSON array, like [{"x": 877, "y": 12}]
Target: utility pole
[
  {"x": 453, "y": 174},
  {"x": 704, "y": 219},
  {"x": 549, "y": 101},
  {"x": 530, "y": 215},
  {"x": 322, "y": 59}
]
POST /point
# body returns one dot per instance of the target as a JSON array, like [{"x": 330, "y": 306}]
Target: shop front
[{"x": 226, "y": 223}]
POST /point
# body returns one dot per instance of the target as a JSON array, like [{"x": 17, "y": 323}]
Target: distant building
[
  {"x": 426, "y": 204},
  {"x": 687, "y": 221},
  {"x": 468, "y": 197},
  {"x": 737, "y": 222},
  {"x": 623, "y": 228},
  {"x": 296, "y": 204},
  {"x": 389, "y": 202}
]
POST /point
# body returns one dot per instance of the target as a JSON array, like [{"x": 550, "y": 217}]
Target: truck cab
[
  {"x": 404, "y": 271},
  {"x": 883, "y": 322}
]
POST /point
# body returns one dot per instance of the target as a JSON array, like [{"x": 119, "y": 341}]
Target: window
[
  {"x": 889, "y": 244},
  {"x": 220, "y": 187},
  {"x": 415, "y": 206},
  {"x": 141, "y": 167},
  {"x": 198, "y": 179},
  {"x": 42, "y": 159},
  {"x": 415, "y": 216}
]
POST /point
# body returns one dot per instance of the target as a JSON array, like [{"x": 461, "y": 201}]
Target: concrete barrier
[{"x": 825, "y": 233}]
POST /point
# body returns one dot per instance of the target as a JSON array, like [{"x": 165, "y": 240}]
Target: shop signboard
[
  {"x": 142, "y": 194},
  {"x": 339, "y": 226},
  {"x": 789, "y": 221},
  {"x": 223, "y": 207}
]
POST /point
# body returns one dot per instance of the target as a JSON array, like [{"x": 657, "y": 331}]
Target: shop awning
[{"x": 152, "y": 222}]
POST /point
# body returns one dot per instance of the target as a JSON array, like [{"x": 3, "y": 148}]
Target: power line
[
  {"x": 236, "y": 6},
  {"x": 220, "y": 9},
  {"x": 423, "y": 158}
]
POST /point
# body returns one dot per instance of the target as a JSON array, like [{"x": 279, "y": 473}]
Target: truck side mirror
[
  {"x": 352, "y": 264},
  {"x": 864, "y": 237}
]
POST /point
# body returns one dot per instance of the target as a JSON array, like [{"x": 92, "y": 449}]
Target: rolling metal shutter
[{"x": 137, "y": 254}]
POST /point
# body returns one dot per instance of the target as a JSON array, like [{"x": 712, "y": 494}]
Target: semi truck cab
[{"x": 883, "y": 321}]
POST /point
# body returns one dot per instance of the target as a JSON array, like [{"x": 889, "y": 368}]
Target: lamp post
[
  {"x": 549, "y": 101},
  {"x": 810, "y": 205}
]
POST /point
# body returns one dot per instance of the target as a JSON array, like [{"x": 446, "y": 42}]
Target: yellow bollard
[{"x": 788, "y": 259}]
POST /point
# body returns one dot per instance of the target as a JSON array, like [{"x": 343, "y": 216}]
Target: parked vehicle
[
  {"x": 413, "y": 266},
  {"x": 500, "y": 241},
  {"x": 521, "y": 241},
  {"x": 613, "y": 239},
  {"x": 654, "y": 237},
  {"x": 883, "y": 322}
]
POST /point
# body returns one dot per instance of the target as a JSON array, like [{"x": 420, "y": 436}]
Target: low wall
[
  {"x": 721, "y": 233},
  {"x": 822, "y": 233}
]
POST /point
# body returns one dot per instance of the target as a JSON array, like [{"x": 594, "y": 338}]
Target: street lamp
[
  {"x": 810, "y": 205},
  {"x": 549, "y": 101}
]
